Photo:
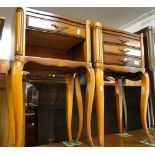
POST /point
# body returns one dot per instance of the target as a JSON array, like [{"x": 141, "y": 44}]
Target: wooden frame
[
  {"x": 16, "y": 72},
  {"x": 100, "y": 67}
]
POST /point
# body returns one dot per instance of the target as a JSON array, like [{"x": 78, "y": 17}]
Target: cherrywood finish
[
  {"x": 8, "y": 126},
  {"x": 119, "y": 106},
  {"x": 115, "y": 59},
  {"x": 4, "y": 66},
  {"x": 149, "y": 40},
  {"x": 69, "y": 101},
  {"x": 121, "y": 60},
  {"x": 144, "y": 101},
  {"x": 11, "y": 132},
  {"x": 98, "y": 64},
  {"x": 50, "y": 47},
  {"x": 121, "y": 50},
  {"x": 79, "y": 105}
]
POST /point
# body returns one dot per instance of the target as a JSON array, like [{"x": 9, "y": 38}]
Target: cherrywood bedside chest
[
  {"x": 51, "y": 44},
  {"x": 119, "y": 54}
]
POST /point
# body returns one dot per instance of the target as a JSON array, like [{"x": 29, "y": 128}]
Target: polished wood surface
[
  {"x": 121, "y": 50},
  {"x": 4, "y": 66},
  {"x": 20, "y": 32},
  {"x": 54, "y": 26},
  {"x": 19, "y": 107},
  {"x": 55, "y": 17},
  {"x": 149, "y": 40},
  {"x": 113, "y": 140},
  {"x": 120, "y": 33},
  {"x": 52, "y": 41},
  {"x": 69, "y": 102},
  {"x": 121, "y": 38},
  {"x": 125, "y": 69},
  {"x": 99, "y": 76},
  {"x": 79, "y": 106},
  {"x": 122, "y": 60},
  {"x": 116, "y": 44},
  {"x": 119, "y": 104},
  {"x": 89, "y": 97},
  {"x": 11, "y": 119},
  {"x": 99, "y": 99},
  {"x": 6, "y": 107},
  {"x": 144, "y": 104}
]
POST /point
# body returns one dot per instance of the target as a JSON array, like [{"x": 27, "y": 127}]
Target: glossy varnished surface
[{"x": 112, "y": 140}]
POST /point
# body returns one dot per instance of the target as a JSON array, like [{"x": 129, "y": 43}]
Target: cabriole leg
[
  {"x": 18, "y": 105},
  {"x": 118, "y": 94},
  {"x": 69, "y": 102},
  {"x": 79, "y": 106},
  {"x": 144, "y": 104},
  {"x": 89, "y": 103}
]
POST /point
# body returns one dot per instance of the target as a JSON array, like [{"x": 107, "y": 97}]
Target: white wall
[
  {"x": 145, "y": 20},
  {"x": 7, "y": 40}
]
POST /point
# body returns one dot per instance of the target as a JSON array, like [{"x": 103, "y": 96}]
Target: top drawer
[
  {"x": 118, "y": 39},
  {"x": 53, "y": 26}
]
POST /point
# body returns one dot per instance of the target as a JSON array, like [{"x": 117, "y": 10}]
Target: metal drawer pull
[
  {"x": 123, "y": 41},
  {"x": 125, "y": 60},
  {"x": 60, "y": 28},
  {"x": 124, "y": 51},
  {"x": 136, "y": 62}
]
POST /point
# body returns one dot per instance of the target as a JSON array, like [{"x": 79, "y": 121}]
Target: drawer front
[
  {"x": 121, "y": 60},
  {"x": 116, "y": 39},
  {"x": 54, "y": 26},
  {"x": 121, "y": 50}
]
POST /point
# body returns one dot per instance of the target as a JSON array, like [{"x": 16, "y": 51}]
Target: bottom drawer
[{"x": 122, "y": 60}]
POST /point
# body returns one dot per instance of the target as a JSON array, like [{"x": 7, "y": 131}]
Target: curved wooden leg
[
  {"x": 69, "y": 102},
  {"x": 11, "y": 134},
  {"x": 18, "y": 105},
  {"x": 144, "y": 103},
  {"x": 118, "y": 94},
  {"x": 79, "y": 106},
  {"x": 89, "y": 103},
  {"x": 99, "y": 102}
]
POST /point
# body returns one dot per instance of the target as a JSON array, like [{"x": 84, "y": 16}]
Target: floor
[{"x": 113, "y": 140}]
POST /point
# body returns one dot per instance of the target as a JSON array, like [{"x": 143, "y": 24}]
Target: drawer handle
[
  {"x": 60, "y": 28},
  {"x": 123, "y": 41},
  {"x": 125, "y": 60},
  {"x": 124, "y": 51}
]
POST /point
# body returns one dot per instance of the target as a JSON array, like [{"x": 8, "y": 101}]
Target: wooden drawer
[
  {"x": 54, "y": 26},
  {"x": 122, "y": 60},
  {"x": 122, "y": 40},
  {"x": 121, "y": 50}
]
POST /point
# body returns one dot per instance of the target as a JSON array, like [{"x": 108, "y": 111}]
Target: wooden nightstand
[
  {"x": 119, "y": 54},
  {"x": 50, "y": 44}
]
